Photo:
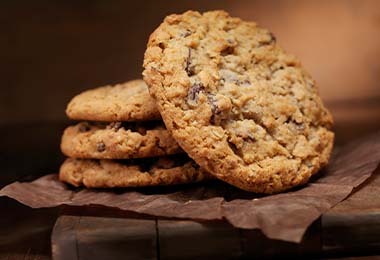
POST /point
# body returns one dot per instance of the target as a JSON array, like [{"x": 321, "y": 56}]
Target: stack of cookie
[{"x": 122, "y": 142}]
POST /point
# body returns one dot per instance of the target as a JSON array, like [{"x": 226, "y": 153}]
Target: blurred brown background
[{"x": 52, "y": 50}]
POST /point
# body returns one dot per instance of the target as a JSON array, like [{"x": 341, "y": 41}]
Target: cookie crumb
[{"x": 194, "y": 91}]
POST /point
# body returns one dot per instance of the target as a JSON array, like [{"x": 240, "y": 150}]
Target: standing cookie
[{"x": 239, "y": 105}]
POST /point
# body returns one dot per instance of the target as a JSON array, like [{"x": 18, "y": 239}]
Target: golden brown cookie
[
  {"x": 118, "y": 140},
  {"x": 238, "y": 104},
  {"x": 129, "y": 101},
  {"x": 131, "y": 173}
]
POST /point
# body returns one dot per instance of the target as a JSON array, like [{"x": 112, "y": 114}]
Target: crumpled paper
[{"x": 284, "y": 216}]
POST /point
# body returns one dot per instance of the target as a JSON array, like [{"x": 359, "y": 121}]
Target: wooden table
[{"x": 351, "y": 228}]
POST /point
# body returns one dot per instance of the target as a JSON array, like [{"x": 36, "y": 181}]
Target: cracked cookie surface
[
  {"x": 239, "y": 105},
  {"x": 129, "y": 101},
  {"x": 118, "y": 140},
  {"x": 132, "y": 173}
]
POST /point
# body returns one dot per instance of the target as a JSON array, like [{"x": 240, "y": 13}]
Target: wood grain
[{"x": 103, "y": 238}]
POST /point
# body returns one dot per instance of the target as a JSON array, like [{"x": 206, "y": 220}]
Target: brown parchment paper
[{"x": 284, "y": 216}]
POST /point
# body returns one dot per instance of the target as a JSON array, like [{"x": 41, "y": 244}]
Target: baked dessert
[{"x": 236, "y": 102}]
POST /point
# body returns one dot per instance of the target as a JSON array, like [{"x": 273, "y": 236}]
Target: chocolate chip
[
  {"x": 114, "y": 125},
  {"x": 101, "y": 147},
  {"x": 243, "y": 83},
  {"x": 214, "y": 108},
  {"x": 227, "y": 51},
  {"x": 214, "y": 105},
  {"x": 194, "y": 91},
  {"x": 189, "y": 69},
  {"x": 162, "y": 45},
  {"x": 84, "y": 127},
  {"x": 246, "y": 82}
]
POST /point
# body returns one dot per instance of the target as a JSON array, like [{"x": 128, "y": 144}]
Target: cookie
[
  {"x": 238, "y": 104},
  {"x": 118, "y": 140},
  {"x": 129, "y": 101},
  {"x": 132, "y": 173}
]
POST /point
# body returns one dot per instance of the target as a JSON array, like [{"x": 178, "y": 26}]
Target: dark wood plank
[
  {"x": 176, "y": 239},
  {"x": 63, "y": 239},
  {"x": 198, "y": 240},
  {"x": 88, "y": 237},
  {"x": 354, "y": 224},
  {"x": 219, "y": 240}
]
